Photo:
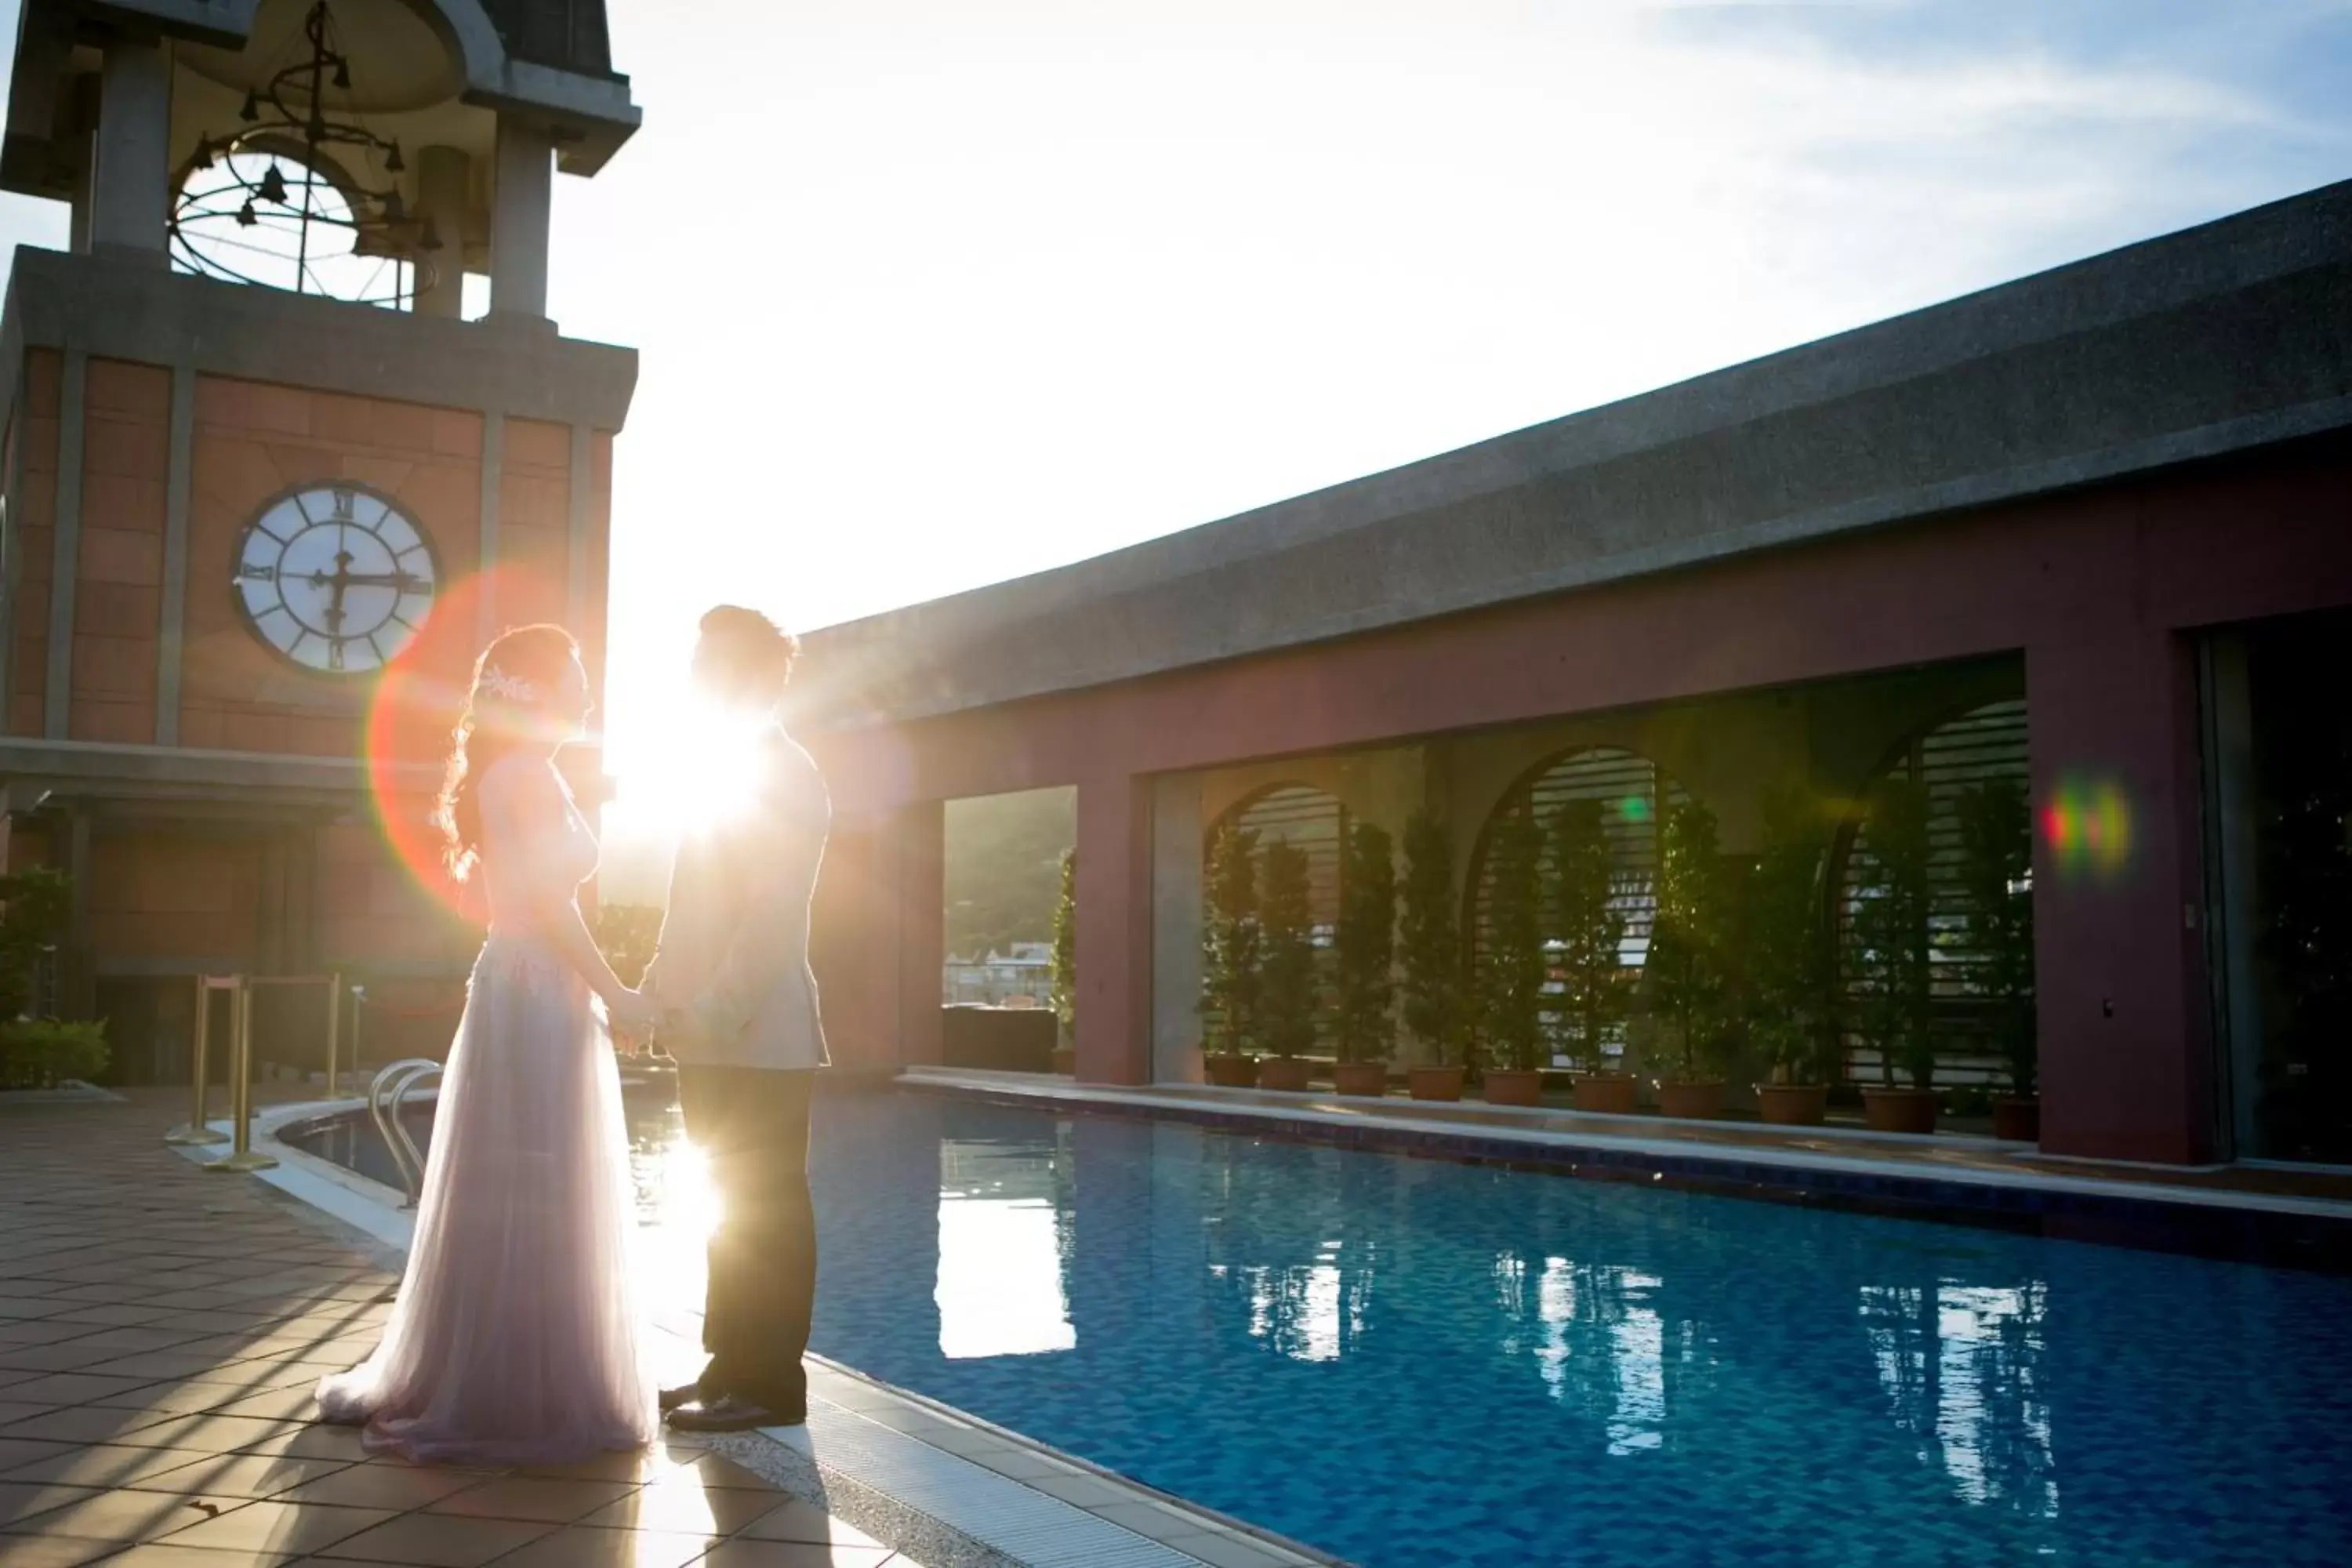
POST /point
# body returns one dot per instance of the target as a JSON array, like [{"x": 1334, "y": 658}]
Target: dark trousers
[{"x": 753, "y": 1126}]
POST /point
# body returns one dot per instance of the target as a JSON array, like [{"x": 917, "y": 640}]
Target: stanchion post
[
  {"x": 198, "y": 1128},
  {"x": 241, "y": 1156},
  {"x": 334, "y": 1029}
]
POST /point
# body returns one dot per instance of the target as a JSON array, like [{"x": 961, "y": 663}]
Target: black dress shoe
[
  {"x": 728, "y": 1412},
  {"x": 683, "y": 1394}
]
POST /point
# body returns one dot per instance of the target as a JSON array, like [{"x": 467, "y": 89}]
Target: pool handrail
[{"x": 390, "y": 1086}]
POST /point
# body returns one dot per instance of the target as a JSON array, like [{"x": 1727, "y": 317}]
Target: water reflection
[
  {"x": 1003, "y": 1250},
  {"x": 1960, "y": 1368}
]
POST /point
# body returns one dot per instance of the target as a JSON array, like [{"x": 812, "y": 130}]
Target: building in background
[
  {"x": 1021, "y": 976},
  {"x": 267, "y": 491}
]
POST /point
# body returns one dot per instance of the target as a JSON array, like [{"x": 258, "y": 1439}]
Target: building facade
[
  {"x": 2092, "y": 529},
  {"x": 256, "y": 532}
]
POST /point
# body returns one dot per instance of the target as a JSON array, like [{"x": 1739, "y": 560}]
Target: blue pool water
[{"x": 1413, "y": 1362}]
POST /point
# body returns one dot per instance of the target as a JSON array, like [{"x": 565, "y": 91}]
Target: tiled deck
[
  {"x": 159, "y": 1332},
  {"x": 161, "y": 1328},
  {"x": 2292, "y": 1217}
]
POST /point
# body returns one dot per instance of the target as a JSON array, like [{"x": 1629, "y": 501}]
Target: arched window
[
  {"x": 1314, "y": 822},
  {"x": 1987, "y": 744},
  {"x": 1634, "y": 795}
]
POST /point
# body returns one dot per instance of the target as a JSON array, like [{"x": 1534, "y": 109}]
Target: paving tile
[
  {"x": 298, "y": 1403},
  {"x": 681, "y": 1503},
  {"x": 432, "y": 1541},
  {"x": 72, "y": 1387},
  {"x": 806, "y": 1522},
  {"x": 238, "y": 1475},
  {"x": 85, "y": 1424},
  {"x": 1149, "y": 1519},
  {"x": 213, "y": 1434},
  {"x": 318, "y": 1441},
  {"x": 15, "y": 1332},
  {"x": 744, "y": 1553},
  {"x": 52, "y": 1552},
  {"x": 284, "y": 1527},
  {"x": 646, "y": 1465},
  {"x": 1023, "y": 1465},
  {"x": 105, "y": 1465},
  {"x": 21, "y": 1500},
  {"x": 123, "y": 1516},
  {"x": 16, "y": 1451},
  {"x": 526, "y": 1498},
  {"x": 166, "y": 1399},
  {"x": 581, "y": 1547},
  {"x": 150, "y": 1365},
  {"x": 163, "y": 1554},
  {"x": 11, "y": 1412},
  {"x": 396, "y": 1486}
]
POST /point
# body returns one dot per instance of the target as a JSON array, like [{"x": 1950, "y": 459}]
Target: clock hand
[{"x": 336, "y": 583}]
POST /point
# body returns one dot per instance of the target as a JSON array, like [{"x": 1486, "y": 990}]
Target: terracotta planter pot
[
  {"x": 1283, "y": 1072},
  {"x": 1792, "y": 1104},
  {"x": 1696, "y": 1102},
  {"x": 2017, "y": 1118},
  {"x": 1899, "y": 1109},
  {"x": 1231, "y": 1072},
  {"x": 1435, "y": 1083},
  {"x": 1611, "y": 1093},
  {"x": 1368, "y": 1080},
  {"x": 1512, "y": 1086}
]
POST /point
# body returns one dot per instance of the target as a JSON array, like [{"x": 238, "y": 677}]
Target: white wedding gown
[{"x": 515, "y": 1339}]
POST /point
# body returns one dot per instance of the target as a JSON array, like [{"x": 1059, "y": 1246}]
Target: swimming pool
[{"x": 1414, "y": 1363}]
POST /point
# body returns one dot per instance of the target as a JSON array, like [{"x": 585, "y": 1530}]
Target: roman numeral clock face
[{"x": 336, "y": 578}]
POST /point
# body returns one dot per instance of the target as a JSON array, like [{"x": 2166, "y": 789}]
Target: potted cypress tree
[
  {"x": 1436, "y": 1007},
  {"x": 1792, "y": 967},
  {"x": 1365, "y": 950},
  {"x": 1228, "y": 970},
  {"x": 1508, "y": 981},
  {"x": 1895, "y": 1010},
  {"x": 1591, "y": 937},
  {"x": 1685, "y": 975},
  {"x": 1065, "y": 995},
  {"x": 1997, "y": 875},
  {"x": 1285, "y": 968}
]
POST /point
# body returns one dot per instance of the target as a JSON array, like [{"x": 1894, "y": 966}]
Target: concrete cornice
[
  {"x": 126, "y": 310},
  {"x": 2220, "y": 338},
  {"x": 90, "y": 770}
]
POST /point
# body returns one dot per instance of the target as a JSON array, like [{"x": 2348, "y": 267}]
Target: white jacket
[{"x": 731, "y": 970}]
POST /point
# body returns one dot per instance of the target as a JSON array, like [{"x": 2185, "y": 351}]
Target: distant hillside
[{"x": 1004, "y": 866}]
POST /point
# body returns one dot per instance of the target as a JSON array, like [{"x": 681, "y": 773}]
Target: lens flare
[
  {"x": 415, "y": 707},
  {"x": 2087, "y": 825}
]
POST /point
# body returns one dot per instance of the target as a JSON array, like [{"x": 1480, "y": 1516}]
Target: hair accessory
[{"x": 512, "y": 689}]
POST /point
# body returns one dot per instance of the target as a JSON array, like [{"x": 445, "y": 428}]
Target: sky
[{"x": 931, "y": 293}]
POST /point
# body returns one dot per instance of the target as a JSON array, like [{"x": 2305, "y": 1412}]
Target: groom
[{"x": 739, "y": 1013}]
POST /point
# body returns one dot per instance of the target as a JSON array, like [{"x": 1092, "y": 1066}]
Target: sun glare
[{"x": 704, "y": 770}]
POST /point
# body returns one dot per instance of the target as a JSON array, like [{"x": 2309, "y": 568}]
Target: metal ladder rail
[{"x": 390, "y": 1086}]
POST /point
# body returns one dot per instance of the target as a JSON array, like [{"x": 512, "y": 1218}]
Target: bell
[
  {"x": 245, "y": 219},
  {"x": 204, "y": 153},
  {"x": 394, "y": 209},
  {"x": 393, "y": 161},
  {"x": 273, "y": 184},
  {"x": 342, "y": 72},
  {"x": 252, "y": 110}
]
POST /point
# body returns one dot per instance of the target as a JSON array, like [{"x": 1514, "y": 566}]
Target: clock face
[{"x": 335, "y": 577}]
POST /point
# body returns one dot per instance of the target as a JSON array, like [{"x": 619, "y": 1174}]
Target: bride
[{"x": 515, "y": 1336}]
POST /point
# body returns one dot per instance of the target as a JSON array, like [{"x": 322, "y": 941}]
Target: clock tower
[{"x": 271, "y": 474}]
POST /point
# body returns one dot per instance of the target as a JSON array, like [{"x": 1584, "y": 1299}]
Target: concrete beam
[
  {"x": 151, "y": 316},
  {"x": 2216, "y": 340},
  {"x": 442, "y": 200}
]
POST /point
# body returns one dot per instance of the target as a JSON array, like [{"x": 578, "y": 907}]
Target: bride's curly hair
[{"x": 514, "y": 681}]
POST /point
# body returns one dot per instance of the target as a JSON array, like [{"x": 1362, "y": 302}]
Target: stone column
[
  {"x": 520, "y": 208},
  {"x": 1176, "y": 916},
  {"x": 921, "y": 867},
  {"x": 2123, "y": 1009},
  {"x": 443, "y": 200},
  {"x": 1114, "y": 900},
  {"x": 130, "y": 189}
]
